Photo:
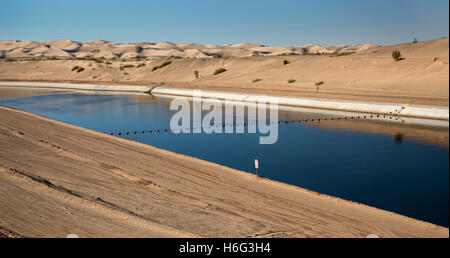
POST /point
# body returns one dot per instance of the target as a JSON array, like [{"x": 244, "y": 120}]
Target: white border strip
[{"x": 440, "y": 113}]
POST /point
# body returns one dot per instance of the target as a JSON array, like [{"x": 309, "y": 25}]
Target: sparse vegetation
[
  {"x": 156, "y": 67},
  {"x": 89, "y": 58},
  {"x": 285, "y": 62},
  {"x": 196, "y": 74},
  {"x": 218, "y": 55},
  {"x": 314, "y": 54},
  {"x": 319, "y": 83},
  {"x": 415, "y": 40},
  {"x": 80, "y": 69},
  {"x": 219, "y": 70},
  {"x": 289, "y": 54},
  {"x": 140, "y": 65},
  {"x": 396, "y": 55},
  {"x": 75, "y": 68},
  {"x": 291, "y": 81},
  {"x": 256, "y": 80},
  {"x": 51, "y": 58},
  {"x": 344, "y": 53},
  {"x": 95, "y": 51},
  {"x": 122, "y": 67}
]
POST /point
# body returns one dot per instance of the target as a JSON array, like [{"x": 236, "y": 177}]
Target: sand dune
[{"x": 102, "y": 48}]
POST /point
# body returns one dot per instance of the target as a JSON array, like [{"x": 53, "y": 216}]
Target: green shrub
[
  {"x": 256, "y": 80},
  {"x": 126, "y": 66},
  {"x": 156, "y": 67},
  {"x": 396, "y": 55},
  {"x": 196, "y": 74},
  {"x": 319, "y": 83},
  {"x": 218, "y": 55},
  {"x": 75, "y": 68},
  {"x": 140, "y": 65},
  {"x": 313, "y": 54},
  {"x": 219, "y": 70},
  {"x": 285, "y": 62},
  {"x": 291, "y": 81},
  {"x": 415, "y": 40},
  {"x": 344, "y": 53},
  {"x": 80, "y": 69},
  {"x": 51, "y": 58}
]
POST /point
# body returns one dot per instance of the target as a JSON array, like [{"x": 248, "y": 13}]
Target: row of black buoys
[{"x": 259, "y": 123}]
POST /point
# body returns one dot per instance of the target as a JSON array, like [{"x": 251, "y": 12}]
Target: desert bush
[
  {"x": 285, "y": 62},
  {"x": 289, "y": 54},
  {"x": 75, "y": 68},
  {"x": 291, "y": 81},
  {"x": 313, "y": 54},
  {"x": 319, "y": 83},
  {"x": 196, "y": 74},
  {"x": 396, "y": 55},
  {"x": 80, "y": 69},
  {"x": 344, "y": 53},
  {"x": 256, "y": 80},
  {"x": 415, "y": 40},
  {"x": 140, "y": 65},
  {"x": 126, "y": 66},
  {"x": 156, "y": 67},
  {"x": 219, "y": 70}
]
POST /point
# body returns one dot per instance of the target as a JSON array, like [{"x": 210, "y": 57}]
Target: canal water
[{"x": 400, "y": 167}]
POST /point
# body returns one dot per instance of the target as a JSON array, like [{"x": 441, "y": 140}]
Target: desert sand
[
  {"x": 58, "y": 179},
  {"x": 369, "y": 74}
]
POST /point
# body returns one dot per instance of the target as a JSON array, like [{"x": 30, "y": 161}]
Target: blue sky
[{"x": 276, "y": 22}]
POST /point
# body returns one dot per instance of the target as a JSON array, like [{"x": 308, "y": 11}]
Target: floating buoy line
[{"x": 392, "y": 116}]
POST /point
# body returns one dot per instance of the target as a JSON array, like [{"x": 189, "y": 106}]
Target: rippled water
[{"x": 398, "y": 167}]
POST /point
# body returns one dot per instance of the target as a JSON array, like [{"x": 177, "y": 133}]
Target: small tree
[
  {"x": 415, "y": 40},
  {"x": 396, "y": 55},
  {"x": 196, "y": 74}
]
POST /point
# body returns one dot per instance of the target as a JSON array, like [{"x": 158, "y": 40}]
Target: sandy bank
[
  {"x": 420, "y": 111},
  {"x": 58, "y": 179}
]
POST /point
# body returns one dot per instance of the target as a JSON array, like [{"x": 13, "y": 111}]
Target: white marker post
[{"x": 256, "y": 166}]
